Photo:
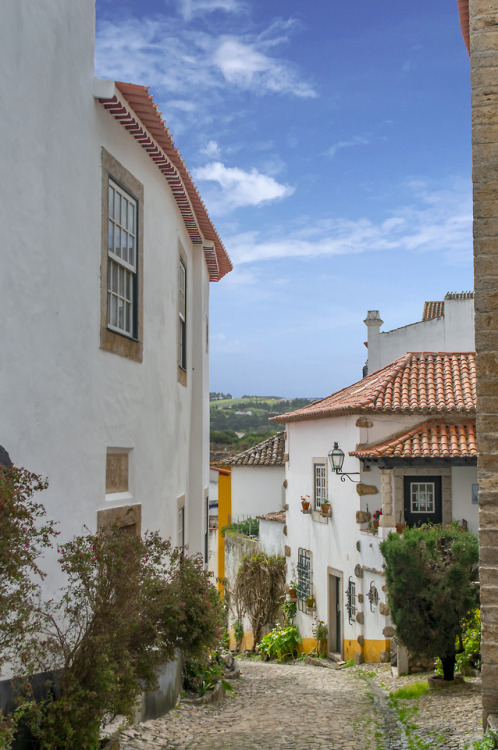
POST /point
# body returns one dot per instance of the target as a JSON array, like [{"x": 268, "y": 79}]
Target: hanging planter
[{"x": 310, "y": 602}]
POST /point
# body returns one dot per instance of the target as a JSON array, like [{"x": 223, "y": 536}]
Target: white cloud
[
  {"x": 190, "y": 65},
  {"x": 436, "y": 220},
  {"x": 357, "y": 140},
  {"x": 191, "y": 8},
  {"x": 241, "y": 188},
  {"x": 247, "y": 67},
  {"x": 211, "y": 150}
]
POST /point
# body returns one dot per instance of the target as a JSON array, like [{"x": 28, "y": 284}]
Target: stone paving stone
[{"x": 300, "y": 707}]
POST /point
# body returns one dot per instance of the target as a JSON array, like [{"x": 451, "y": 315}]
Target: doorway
[{"x": 335, "y": 616}]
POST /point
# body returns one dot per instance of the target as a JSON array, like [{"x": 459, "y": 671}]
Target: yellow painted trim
[
  {"x": 224, "y": 518},
  {"x": 371, "y": 649}
]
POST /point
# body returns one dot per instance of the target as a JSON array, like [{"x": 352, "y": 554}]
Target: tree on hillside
[{"x": 431, "y": 577}]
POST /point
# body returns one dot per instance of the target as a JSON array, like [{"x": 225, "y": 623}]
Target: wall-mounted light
[{"x": 336, "y": 458}]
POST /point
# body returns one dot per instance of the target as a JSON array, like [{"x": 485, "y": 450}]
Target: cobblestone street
[{"x": 284, "y": 706}]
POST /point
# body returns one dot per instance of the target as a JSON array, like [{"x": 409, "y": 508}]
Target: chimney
[{"x": 373, "y": 322}]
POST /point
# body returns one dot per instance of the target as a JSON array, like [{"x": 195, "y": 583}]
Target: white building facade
[
  {"x": 107, "y": 254},
  {"x": 408, "y": 435}
]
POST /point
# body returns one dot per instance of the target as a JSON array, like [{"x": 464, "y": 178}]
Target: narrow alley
[{"x": 297, "y": 706}]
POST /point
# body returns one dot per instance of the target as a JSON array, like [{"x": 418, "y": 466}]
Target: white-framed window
[
  {"x": 182, "y": 314},
  {"x": 181, "y": 526},
  {"x": 122, "y": 261},
  {"x": 422, "y": 497},
  {"x": 319, "y": 483}
]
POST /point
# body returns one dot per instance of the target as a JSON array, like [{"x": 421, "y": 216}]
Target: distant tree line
[{"x": 215, "y": 396}]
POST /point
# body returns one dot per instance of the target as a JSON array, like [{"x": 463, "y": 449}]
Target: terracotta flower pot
[
  {"x": 399, "y": 527},
  {"x": 375, "y": 524},
  {"x": 292, "y": 593},
  {"x": 326, "y": 509},
  {"x": 305, "y": 504}
]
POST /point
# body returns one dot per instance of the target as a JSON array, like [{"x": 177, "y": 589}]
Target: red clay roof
[
  {"x": 269, "y": 452},
  {"x": 146, "y": 119},
  {"x": 433, "y": 310},
  {"x": 432, "y": 439},
  {"x": 417, "y": 382}
]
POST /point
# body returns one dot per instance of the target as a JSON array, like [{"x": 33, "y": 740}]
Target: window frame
[
  {"x": 304, "y": 577},
  {"x": 125, "y": 272},
  {"x": 182, "y": 313},
  {"x": 320, "y": 493},
  {"x": 112, "y": 338}
]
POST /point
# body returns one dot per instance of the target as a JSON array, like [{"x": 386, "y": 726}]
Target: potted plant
[
  {"x": 310, "y": 602},
  {"x": 400, "y": 526},
  {"x": 376, "y": 518},
  {"x": 292, "y": 590},
  {"x": 326, "y": 508},
  {"x": 305, "y": 503}
]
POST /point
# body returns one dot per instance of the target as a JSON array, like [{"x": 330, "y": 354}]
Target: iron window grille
[
  {"x": 303, "y": 578},
  {"x": 373, "y": 597},
  {"x": 351, "y": 600}
]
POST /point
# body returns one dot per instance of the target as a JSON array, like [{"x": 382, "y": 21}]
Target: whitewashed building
[
  {"x": 107, "y": 253},
  {"x": 407, "y": 434}
]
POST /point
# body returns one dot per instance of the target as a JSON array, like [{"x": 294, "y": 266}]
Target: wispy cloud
[
  {"x": 247, "y": 67},
  {"x": 211, "y": 150},
  {"x": 357, "y": 140},
  {"x": 436, "y": 220},
  {"x": 239, "y": 187},
  {"x": 194, "y": 68},
  {"x": 191, "y": 8}
]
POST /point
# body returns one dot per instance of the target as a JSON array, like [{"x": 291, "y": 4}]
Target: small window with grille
[
  {"x": 303, "y": 578},
  {"x": 351, "y": 600}
]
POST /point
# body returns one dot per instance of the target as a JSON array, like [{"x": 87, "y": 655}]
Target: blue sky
[{"x": 330, "y": 142}]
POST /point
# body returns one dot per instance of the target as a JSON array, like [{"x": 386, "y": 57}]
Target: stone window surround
[
  {"x": 112, "y": 341},
  {"x": 127, "y": 518},
  {"x": 392, "y": 481}
]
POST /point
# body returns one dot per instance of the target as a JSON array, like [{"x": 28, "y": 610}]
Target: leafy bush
[
  {"x": 468, "y": 645},
  {"x": 238, "y": 633},
  {"x": 430, "y": 575},
  {"x": 281, "y": 643},
  {"x": 488, "y": 742},
  {"x": 201, "y": 676},
  {"x": 289, "y": 610}
]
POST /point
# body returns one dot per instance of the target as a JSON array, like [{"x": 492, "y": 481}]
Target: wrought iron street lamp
[{"x": 336, "y": 458}]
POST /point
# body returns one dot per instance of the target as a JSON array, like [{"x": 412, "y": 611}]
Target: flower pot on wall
[
  {"x": 326, "y": 509},
  {"x": 375, "y": 524}
]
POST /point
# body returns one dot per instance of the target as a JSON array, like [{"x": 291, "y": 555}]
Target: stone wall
[{"x": 484, "y": 78}]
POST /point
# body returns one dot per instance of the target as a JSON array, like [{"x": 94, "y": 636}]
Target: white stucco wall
[
  {"x": 63, "y": 400},
  {"x": 271, "y": 537},
  {"x": 256, "y": 490},
  {"x": 453, "y": 332},
  {"x": 462, "y": 479}
]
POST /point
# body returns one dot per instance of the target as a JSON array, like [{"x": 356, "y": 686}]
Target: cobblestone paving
[
  {"x": 274, "y": 706},
  {"x": 300, "y": 707}
]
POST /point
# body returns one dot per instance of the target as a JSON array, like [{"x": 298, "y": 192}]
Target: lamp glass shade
[{"x": 336, "y": 458}]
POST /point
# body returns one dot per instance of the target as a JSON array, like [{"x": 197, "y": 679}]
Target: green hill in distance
[{"x": 247, "y": 416}]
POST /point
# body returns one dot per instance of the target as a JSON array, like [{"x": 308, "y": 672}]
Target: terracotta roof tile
[
  {"x": 220, "y": 458},
  {"x": 269, "y": 452},
  {"x": 432, "y": 439},
  {"x": 417, "y": 382},
  {"x": 277, "y": 515},
  {"x": 433, "y": 310}
]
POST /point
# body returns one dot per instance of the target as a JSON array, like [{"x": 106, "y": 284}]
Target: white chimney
[{"x": 373, "y": 322}]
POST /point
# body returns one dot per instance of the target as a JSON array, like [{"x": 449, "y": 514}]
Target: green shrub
[
  {"x": 488, "y": 742},
  {"x": 281, "y": 643},
  {"x": 470, "y": 642}
]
